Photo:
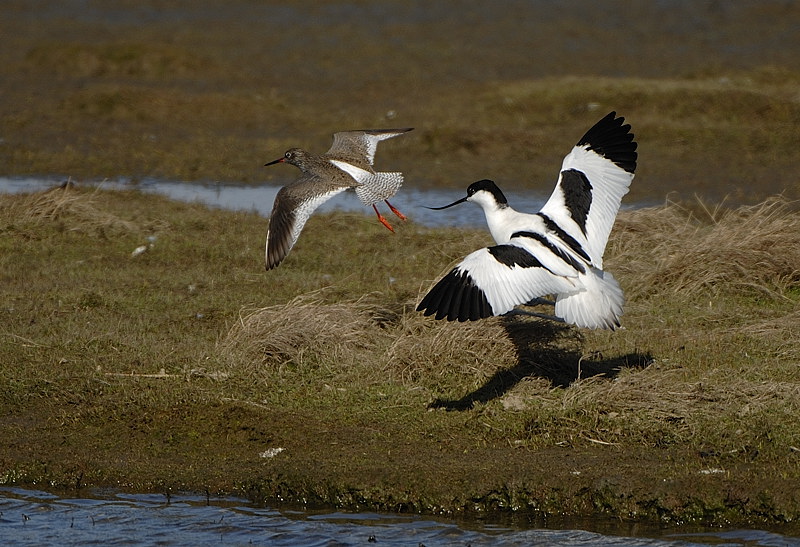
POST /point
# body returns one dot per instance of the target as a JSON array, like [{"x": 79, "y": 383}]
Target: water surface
[
  {"x": 412, "y": 202},
  {"x": 34, "y": 517}
]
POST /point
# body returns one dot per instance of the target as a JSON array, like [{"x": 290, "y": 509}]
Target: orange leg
[
  {"x": 383, "y": 220},
  {"x": 400, "y": 215}
]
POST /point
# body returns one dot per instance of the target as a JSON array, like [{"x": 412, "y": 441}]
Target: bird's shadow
[{"x": 541, "y": 353}]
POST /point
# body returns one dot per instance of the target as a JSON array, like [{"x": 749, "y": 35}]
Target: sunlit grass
[
  {"x": 191, "y": 342},
  {"x": 145, "y": 109}
]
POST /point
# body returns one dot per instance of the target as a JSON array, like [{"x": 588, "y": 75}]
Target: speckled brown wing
[{"x": 292, "y": 208}]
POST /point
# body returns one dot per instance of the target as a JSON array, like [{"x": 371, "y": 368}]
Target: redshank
[
  {"x": 558, "y": 250},
  {"x": 347, "y": 165}
]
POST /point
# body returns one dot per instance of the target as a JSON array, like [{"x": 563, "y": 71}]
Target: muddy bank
[{"x": 225, "y": 448}]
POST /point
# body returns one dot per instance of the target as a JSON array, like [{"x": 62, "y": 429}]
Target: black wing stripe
[
  {"x": 552, "y": 248},
  {"x": 511, "y": 255},
  {"x": 577, "y": 196},
  {"x": 564, "y": 236}
]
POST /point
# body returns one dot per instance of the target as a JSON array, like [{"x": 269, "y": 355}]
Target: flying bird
[
  {"x": 346, "y": 165},
  {"x": 557, "y": 251}
]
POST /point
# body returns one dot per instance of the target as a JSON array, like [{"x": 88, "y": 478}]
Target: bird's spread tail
[
  {"x": 378, "y": 187},
  {"x": 598, "y": 306}
]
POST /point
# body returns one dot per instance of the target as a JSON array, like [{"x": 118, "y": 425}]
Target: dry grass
[
  {"x": 308, "y": 332},
  {"x": 74, "y": 211},
  {"x": 665, "y": 405},
  {"x": 424, "y": 349},
  {"x": 784, "y": 329},
  {"x": 365, "y": 340},
  {"x": 753, "y": 249}
]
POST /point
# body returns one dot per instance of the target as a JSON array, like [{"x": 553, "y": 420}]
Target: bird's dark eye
[{"x": 288, "y": 155}]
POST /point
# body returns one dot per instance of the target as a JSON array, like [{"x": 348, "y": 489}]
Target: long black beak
[
  {"x": 462, "y": 200},
  {"x": 279, "y": 160}
]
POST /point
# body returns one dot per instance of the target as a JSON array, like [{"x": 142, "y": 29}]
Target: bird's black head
[
  {"x": 488, "y": 186},
  {"x": 485, "y": 185}
]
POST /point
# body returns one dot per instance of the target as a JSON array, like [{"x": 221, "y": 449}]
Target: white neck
[{"x": 501, "y": 219}]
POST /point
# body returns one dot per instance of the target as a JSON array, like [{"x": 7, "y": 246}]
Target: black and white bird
[
  {"x": 557, "y": 251},
  {"x": 347, "y": 165}
]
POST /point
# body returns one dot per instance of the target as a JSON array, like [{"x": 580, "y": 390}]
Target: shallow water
[
  {"x": 34, "y": 517},
  {"x": 412, "y": 202}
]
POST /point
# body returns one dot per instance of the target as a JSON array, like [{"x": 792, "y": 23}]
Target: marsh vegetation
[
  {"x": 180, "y": 367},
  {"x": 186, "y": 366}
]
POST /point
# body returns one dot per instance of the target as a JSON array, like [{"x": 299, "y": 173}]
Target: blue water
[
  {"x": 34, "y": 517},
  {"x": 411, "y": 201}
]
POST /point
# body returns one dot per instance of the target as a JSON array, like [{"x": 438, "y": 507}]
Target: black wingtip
[
  {"x": 612, "y": 139},
  {"x": 456, "y": 297}
]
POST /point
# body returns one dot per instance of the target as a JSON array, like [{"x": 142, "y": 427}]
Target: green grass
[
  {"x": 179, "y": 367},
  {"x": 176, "y": 368},
  {"x": 190, "y": 104},
  {"x": 696, "y": 136}
]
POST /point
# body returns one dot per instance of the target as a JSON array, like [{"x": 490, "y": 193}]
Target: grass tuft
[
  {"x": 693, "y": 250},
  {"x": 307, "y": 331},
  {"x": 74, "y": 210}
]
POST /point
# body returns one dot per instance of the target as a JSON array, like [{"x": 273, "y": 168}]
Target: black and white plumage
[
  {"x": 346, "y": 165},
  {"x": 557, "y": 251}
]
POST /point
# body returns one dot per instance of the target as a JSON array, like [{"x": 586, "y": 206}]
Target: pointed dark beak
[
  {"x": 279, "y": 160},
  {"x": 462, "y": 200}
]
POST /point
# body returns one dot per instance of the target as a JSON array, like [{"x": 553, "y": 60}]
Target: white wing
[
  {"x": 492, "y": 281},
  {"x": 594, "y": 177},
  {"x": 359, "y": 175}
]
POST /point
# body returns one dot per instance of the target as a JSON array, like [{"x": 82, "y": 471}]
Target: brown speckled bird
[{"x": 347, "y": 165}]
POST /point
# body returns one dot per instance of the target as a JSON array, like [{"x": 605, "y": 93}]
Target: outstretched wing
[
  {"x": 292, "y": 208},
  {"x": 493, "y": 280},
  {"x": 358, "y": 147},
  {"x": 594, "y": 177}
]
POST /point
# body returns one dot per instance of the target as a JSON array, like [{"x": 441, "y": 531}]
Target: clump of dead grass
[
  {"x": 74, "y": 209},
  {"x": 397, "y": 346},
  {"x": 365, "y": 342},
  {"x": 424, "y": 347},
  {"x": 752, "y": 249},
  {"x": 307, "y": 331}
]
